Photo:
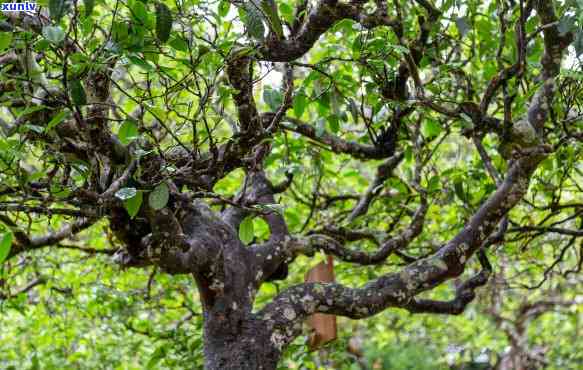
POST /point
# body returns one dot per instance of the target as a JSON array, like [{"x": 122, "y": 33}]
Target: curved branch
[
  {"x": 465, "y": 294},
  {"x": 544, "y": 229},
  {"x": 48, "y": 211},
  {"x": 399, "y": 289},
  {"x": 319, "y": 20},
  {"x": 239, "y": 71},
  {"x": 384, "y": 171},
  {"x": 329, "y": 245},
  {"x": 335, "y": 144},
  {"x": 25, "y": 243},
  {"x": 256, "y": 190},
  {"x": 25, "y": 289},
  {"x": 554, "y": 47}
]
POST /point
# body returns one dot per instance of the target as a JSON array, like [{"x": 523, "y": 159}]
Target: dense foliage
[{"x": 170, "y": 171}]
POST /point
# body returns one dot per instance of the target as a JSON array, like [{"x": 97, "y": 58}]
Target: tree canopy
[{"x": 171, "y": 170}]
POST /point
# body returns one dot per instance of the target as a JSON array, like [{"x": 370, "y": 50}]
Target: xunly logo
[{"x": 18, "y": 7}]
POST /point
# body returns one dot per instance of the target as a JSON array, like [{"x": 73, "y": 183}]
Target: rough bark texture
[{"x": 245, "y": 346}]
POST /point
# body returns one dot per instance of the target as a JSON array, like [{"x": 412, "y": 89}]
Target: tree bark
[{"x": 246, "y": 345}]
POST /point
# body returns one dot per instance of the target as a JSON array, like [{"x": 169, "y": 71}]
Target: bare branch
[{"x": 335, "y": 144}]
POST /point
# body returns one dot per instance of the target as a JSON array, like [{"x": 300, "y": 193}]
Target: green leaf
[
  {"x": 77, "y": 92},
  {"x": 35, "y": 128},
  {"x": 336, "y": 101},
  {"x": 163, "y": 22},
  {"x": 269, "y": 8},
  {"x": 299, "y": 104},
  {"x": 431, "y": 128},
  {"x": 353, "y": 109},
  {"x": 400, "y": 49},
  {"x": 459, "y": 190},
  {"x": 54, "y": 34},
  {"x": 272, "y": 98},
  {"x": 178, "y": 43},
  {"x": 5, "y": 245},
  {"x": 224, "y": 7},
  {"x": 578, "y": 44},
  {"x": 434, "y": 184},
  {"x": 158, "y": 355},
  {"x": 334, "y": 123},
  {"x": 30, "y": 110},
  {"x": 119, "y": 31},
  {"x": 126, "y": 193},
  {"x": 57, "y": 9},
  {"x": 5, "y": 40},
  {"x": 59, "y": 191},
  {"x": 133, "y": 204},
  {"x": 202, "y": 50},
  {"x": 144, "y": 64},
  {"x": 253, "y": 20},
  {"x": 128, "y": 132},
  {"x": 140, "y": 12},
  {"x": 320, "y": 127},
  {"x": 275, "y": 207},
  {"x": 58, "y": 118},
  {"x": 159, "y": 196},
  {"x": 89, "y": 5},
  {"x": 566, "y": 24},
  {"x": 246, "y": 230},
  {"x": 287, "y": 12}
]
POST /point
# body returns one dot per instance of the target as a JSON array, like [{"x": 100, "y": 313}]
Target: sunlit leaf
[
  {"x": 58, "y": 118},
  {"x": 300, "y": 102},
  {"x": 54, "y": 34},
  {"x": 246, "y": 231},
  {"x": 126, "y": 193},
  {"x": 158, "y": 198},
  {"x": 431, "y": 128},
  {"x": 133, "y": 204},
  {"x": 224, "y": 6},
  {"x": 140, "y": 12},
  {"x": 128, "y": 131},
  {"x": 5, "y": 245},
  {"x": 5, "y": 40}
]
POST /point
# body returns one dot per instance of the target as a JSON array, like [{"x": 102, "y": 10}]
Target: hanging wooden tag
[{"x": 323, "y": 325}]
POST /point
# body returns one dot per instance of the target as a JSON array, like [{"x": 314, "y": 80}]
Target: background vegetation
[{"x": 68, "y": 305}]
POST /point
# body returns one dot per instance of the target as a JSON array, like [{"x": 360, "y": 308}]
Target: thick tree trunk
[{"x": 238, "y": 346}]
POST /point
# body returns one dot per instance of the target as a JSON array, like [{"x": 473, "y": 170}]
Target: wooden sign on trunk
[{"x": 323, "y": 325}]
